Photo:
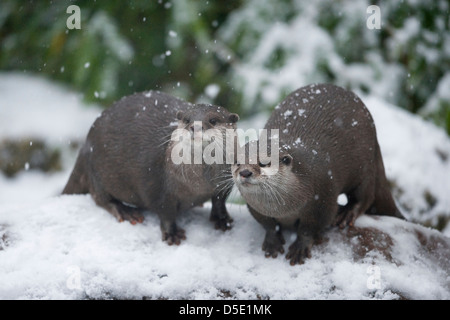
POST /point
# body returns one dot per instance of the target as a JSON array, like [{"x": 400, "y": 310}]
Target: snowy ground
[{"x": 65, "y": 247}]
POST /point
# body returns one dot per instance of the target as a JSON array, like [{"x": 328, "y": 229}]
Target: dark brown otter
[
  {"x": 126, "y": 162},
  {"x": 327, "y": 146}
]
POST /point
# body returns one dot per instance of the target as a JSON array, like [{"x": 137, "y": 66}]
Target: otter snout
[
  {"x": 196, "y": 127},
  {"x": 245, "y": 173},
  {"x": 196, "y": 130}
]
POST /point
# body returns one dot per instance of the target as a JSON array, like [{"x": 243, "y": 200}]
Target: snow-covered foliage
[{"x": 283, "y": 45}]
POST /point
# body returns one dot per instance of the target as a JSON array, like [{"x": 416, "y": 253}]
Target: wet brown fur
[
  {"x": 125, "y": 163},
  {"x": 330, "y": 136}
]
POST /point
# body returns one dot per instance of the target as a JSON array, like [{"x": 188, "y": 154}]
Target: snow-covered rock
[
  {"x": 65, "y": 247},
  {"x": 68, "y": 248}
]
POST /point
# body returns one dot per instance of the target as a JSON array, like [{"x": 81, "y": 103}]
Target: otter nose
[
  {"x": 196, "y": 128},
  {"x": 245, "y": 173}
]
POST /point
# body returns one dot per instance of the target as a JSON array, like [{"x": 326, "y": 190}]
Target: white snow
[
  {"x": 287, "y": 113},
  {"x": 33, "y": 107},
  {"x": 412, "y": 152},
  {"x": 61, "y": 241},
  {"x": 212, "y": 90},
  {"x": 65, "y": 247}
]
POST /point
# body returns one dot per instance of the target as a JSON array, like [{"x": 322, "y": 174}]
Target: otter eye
[
  {"x": 213, "y": 121},
  {"x": 286, "y": 160},
  {"x": 264, "y": 164}
]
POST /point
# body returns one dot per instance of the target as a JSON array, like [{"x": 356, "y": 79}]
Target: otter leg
[
  {"x": 171, "y": 232},
  {"x": 359, "y": 200},
  {"x": 274, "y": 240},
  {"x": 112, "y": 205},
  {"x": 347, "y": 214},
  {"x": 311, "y": 225},
  {"x": 168, "y": 212},
  {"x": 219, "y": 214},
  {"x": 118, "y": 209}
]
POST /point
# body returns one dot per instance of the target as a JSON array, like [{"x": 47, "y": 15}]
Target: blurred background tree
[
  {"x": 122, "y": 46},
  {"x": 246, "y": 55}
]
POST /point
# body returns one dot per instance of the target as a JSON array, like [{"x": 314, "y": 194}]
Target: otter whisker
[
  {"x": 169, "y": 126},
  {"x": 224, "y": 185},
  {"x": 166, "y": 139},
  {"x": 276, "y": 194},
  {"x": 164, "y": 142},
  {"x": 222, "y": 176},
  {"x": 271, "y": 196}
]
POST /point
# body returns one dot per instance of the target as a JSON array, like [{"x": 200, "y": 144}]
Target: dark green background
[{"x": 34, "y": 38}]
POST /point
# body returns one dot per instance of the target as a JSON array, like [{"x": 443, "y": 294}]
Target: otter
[
  {"x": 327, "y": 146},
  {"x": 126, "y": 162}
]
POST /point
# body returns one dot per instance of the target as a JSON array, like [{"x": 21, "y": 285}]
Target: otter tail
[
  {"x": 78, "y": 182},
  {"x": 384, "y": 203}
]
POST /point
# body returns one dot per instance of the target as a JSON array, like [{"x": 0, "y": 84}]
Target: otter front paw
[
  {"x": 174, "y": 236},
  {"x": 299, "y": 250},
  {"x": 273, "y": 244},
  {"x": 221, "y": 222}
]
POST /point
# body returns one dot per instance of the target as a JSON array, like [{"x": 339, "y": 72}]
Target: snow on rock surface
[
  {"x": 68, "y": 248},
  {"x": 65, "y": 247}
]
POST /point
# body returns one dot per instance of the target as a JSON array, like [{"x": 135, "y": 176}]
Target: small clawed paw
[
  {"x": 221, "y": 222},
  {"x": 175, "y": 237},
  {"x": 273, "y": 246},
  {"x": 224, "y": 224},
  {"x": 273, "y": 252},
  {"x": 298, "y": 253}
]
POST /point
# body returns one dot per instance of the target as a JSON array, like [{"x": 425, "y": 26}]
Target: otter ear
[
  {"x": 233, "y": 118},
  {"x": 180, "y": 115}
]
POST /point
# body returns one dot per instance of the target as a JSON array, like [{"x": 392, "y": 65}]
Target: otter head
[
  {"x": 203, "y": 131},
  {"x": 273, "y": 188},
  {"x": 204, "y": 121}
]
